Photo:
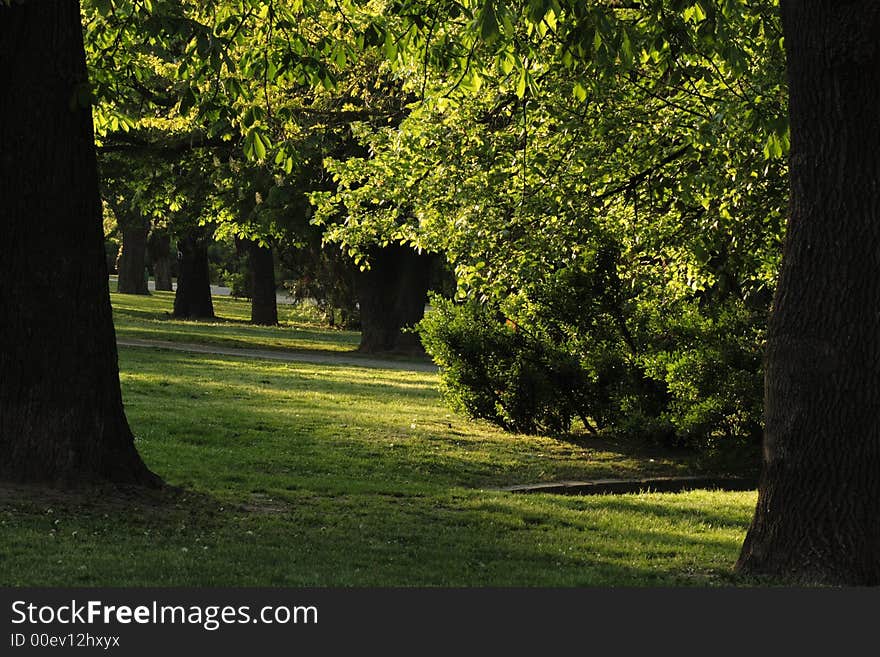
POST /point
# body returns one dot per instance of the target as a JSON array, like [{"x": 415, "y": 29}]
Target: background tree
[
  {"x": 133, "y": 187},
  {"x": 160, "y": 257}
]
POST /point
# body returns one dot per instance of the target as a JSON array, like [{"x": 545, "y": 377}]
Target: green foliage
[
  {"x": 617, "y": 189},
  {"x": 710, "y": 363},
  {"x": 609, "y": 176},
  {"x": 492, "y": 371},
  {"x": 678, "y": 378}
]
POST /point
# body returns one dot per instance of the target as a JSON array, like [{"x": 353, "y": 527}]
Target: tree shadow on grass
[
  {"x": 98, "y": 498},
  {"x": 734, "y": 459},
  {"x": 165, "y": 316},
  {"x": 311, "y": 538}
]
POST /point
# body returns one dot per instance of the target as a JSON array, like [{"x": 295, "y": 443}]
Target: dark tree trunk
[
  {"x": 193, "y": 297},
  {"x": 133, "y": 257},
  {"x": 61, "y": 414},
  {"x": 160, "y": 255},
  {"x": 392, "y": 295},
  {"x": 818, "y": 513},
  {"x": 264, "y": 308}
]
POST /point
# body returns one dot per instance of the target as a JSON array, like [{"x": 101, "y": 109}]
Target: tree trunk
[
  {"x": 818, "y": 513},
  {"x": 193, "y": 297},
  {"x": 392, "y": 295},
  {"x": 264, "y": 307},
  {"x": 61, "y": 414},
  {"x": 160, "y": 253},
  {"x": 133, "y": 257}
]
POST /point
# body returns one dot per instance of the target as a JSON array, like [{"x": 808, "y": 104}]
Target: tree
[
  {"x": 193, "y": 297},
  {"x": 133, "y": 254},
  {"x": 133, "y": 187},
  {"x": 159, "y": 249},
  {"x": 61, "y": 413},
  {"x": 818, "y": 514},
  {"x": 392, "y": 294},
  {"x": 264, "y": 306}
]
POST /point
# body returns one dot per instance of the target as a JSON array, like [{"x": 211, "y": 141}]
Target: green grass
[
  {"x": 149, "y": 318},
  {"x": 315, "y": 475}
]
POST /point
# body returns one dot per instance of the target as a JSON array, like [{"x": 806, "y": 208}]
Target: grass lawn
[
  {"x": 149, "y": 318},
  {"x": 327, "y": 475}
]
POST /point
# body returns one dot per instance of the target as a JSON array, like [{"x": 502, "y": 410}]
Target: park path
[{"x": 326, "y": 358}]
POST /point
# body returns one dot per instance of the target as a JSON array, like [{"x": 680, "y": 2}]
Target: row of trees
[
  {"x": 631, "y": 153},
  {"x": 209, "y": 140}
]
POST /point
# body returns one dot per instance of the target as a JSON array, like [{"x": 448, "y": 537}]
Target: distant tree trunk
[
  {"x": 133, "y": 257},
  {"x": 160, "y": 253},
  {"x": 61, "y": 415},
  {"x": 392, "y": 295},
  {"x": 193, "y": 297},
  {"x": 264, "y": 306},
  {"x": 818, "y": 514}
]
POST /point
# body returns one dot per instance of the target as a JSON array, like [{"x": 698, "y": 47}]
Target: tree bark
[
  {"x": 264, "y": 307},
  {"x": 61, "y": 413},
  {"x": 159, "y": 246},
  {"x": 193, "y": 297},
  {"x": 392, "y": 295},
  {"x": 818, "y": 514},
  {"x": 133, "y": 257}
]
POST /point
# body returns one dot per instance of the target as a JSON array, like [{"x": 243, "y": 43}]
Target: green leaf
[
  {"x": 390, "y": 47},
  {"x": 507, "y": 61},
  {"x": 248, "y": 147},
  {"x": 259, "y": 146},
  {"x": 104, "y": 7},
  {"x": 489, "y": 23},
  {"x": 626, "y": 51}
]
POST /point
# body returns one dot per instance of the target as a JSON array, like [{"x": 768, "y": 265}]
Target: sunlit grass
[
  {"x": 310, "y": 475},
  {"x": 149, "y": 318},
  {"x": 338, "y": 423}
]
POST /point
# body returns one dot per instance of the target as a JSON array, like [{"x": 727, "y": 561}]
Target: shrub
[
  {"x": 680, "y": 377},
  {"x": 493, "y": 370},
  {"x": 711, "y": 365}
]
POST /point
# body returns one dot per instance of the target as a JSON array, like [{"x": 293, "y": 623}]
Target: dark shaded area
[
  {"x": 131, "y": 265},
  {"x": 193, "y": 297},
  {"x": 264, "y": 305},
  {"x": 159, "y": 250},
  {"x": 392, "y": 294}
]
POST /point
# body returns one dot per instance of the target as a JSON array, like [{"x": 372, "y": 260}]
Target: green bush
[
  {"x": 492, "y": 370},
  {"x": 711, "y": 365},
  {"x": 680, "y": 377}
]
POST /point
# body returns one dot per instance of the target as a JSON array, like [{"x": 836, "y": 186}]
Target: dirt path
[{"x": 326, "y": 358}]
